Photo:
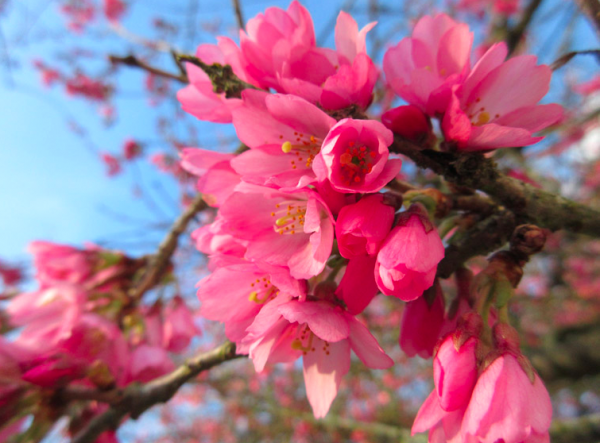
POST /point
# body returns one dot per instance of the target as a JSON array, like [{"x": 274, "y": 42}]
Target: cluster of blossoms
[
  {"x": 81, "y": 328},
  {"x": 305, "y": 236}
]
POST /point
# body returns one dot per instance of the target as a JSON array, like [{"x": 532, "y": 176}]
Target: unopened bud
[
  {"x": 469, "y": 325},
  {"x": 506, "y": 338},
  {"x": 528, "y": 239}
]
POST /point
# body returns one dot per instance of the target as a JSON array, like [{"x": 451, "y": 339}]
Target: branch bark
[
  {"x": 160, "y": 261},
  {"x": 529, "y": 204},
  {"x": 136, "y": 399},
  {"x": 237, "y": 8},
  {"x": 591, "y": 8},
  {"x": 133, "y": 61}
]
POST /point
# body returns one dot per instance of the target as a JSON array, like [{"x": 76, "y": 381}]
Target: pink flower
[
  {"x": 235, "y": 294},
  {"x": 354, "y": 81},
  {"x": 178, "y": 327},
  {"x": 131, "y": 149},
  {"x": 10, "y": 275},
  {"x": 409, "y": 122},
  {"x": 362, "y": 227},
  {"x": 407, "y": 262},
  {"x": 292, "y": 229},
  {"x": 280, "y": 37},
  {"x": 114, "y": 9},
  {"x": 422, "y": 321},
  {"x": 113, "y": 167},
  {"x": 323, "y": 334},
  {"x": 455, "y": 372},
  {"x": 358, "y": 287},
  {"x": 284, "y": 133},
  {"x": 496, "y": 106},
  {"x": 355, "y": 157},
  {"x": 198, "y": 98},
  {"x": 423, "y": 68},
  {"x": 57, "y": 263},
  {"x": 217, "y": 178},
  {"x": 149, "y": 362},
  {"x": 507, "y": 405}
]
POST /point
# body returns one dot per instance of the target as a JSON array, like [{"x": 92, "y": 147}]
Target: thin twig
[
  {"x": 515, "y": 34},
  {"x": 238, "y": 13},
  {"x": 160, "y": 261},
  {"x": 133, "y": 61},
  {"x": 529, "y": 204},
  {"x": 591, "y": 8},
  {"x": 137, "y": 399}
]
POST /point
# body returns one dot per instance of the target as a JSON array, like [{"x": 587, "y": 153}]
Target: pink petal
[
  {"x": 325, "y": 320},
  {"x": 323, "y": 374},
  {"x": 366, "y": 347}
]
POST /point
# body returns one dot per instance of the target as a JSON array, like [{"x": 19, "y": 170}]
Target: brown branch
[
  {"x": 564, "y": 59},
  {"x": 529, "y": 204},
  {"x": 591, "y": 8},
  {"x": 136, "y": 399},
  {"x": 160, "y": 261},
  {"x": 133, "y": 61},
  {"x": 483, "y": 238},
  {"x": 221, "y": 76},
  {"x": 515, "y": 34},
  {"x": 238, "y": 13}
]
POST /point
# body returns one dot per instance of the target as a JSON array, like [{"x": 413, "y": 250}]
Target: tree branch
[
  {"x": 238, "y": 13},
  {"x": 133, "y": 61},
  {"x": 515, "y": 34},
  {"x": 483, "y": 238},
  {"x": 160, "y": 261},
  {"x": 136, "y": 399},
  {"x": 529, "y": 204},
  {"x": 591, "y": 8},
  {"x": 221, "y": 76}
]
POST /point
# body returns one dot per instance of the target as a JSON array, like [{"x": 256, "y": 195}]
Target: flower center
[
  {"x": 304, "y": 341},
  {"x": 262, "y": 291},
  {"x": 356, "y": 162},
  {"x": 289, "y": 216},
  {"x": 303, "y": 149},
  {"x": 479, "y": 116}
]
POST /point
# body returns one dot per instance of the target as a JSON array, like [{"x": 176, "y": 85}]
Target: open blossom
[
  {"x": 355, "y": 157},
  {"x": 198, "y": 98},
  {"x": 217, "y": 178},
  {"x": 323, "y": 334},
  {"x": 113, "y": 167},
  {"x": 292, "y": 229},
  {"x": 423, "y": 68},
  {"x": 408, "y": 259},
  {"x": 278, "y": 51},
  {"x": 285, "y": 133},
  {"x": 235, "y": 294},
  {"x": 497, "y": 105},
  {"x": 114, "y": 9}
]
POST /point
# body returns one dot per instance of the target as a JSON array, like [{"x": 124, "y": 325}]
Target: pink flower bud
[
  {"x": 507, "y": 406},
  {"x": 421, "y": 324},
  {"x": 455, "y": 373},
  {"x": 407, "y": 262},
  {"x": 362, "y": 227},
  {"x": 408, "y": 121}
]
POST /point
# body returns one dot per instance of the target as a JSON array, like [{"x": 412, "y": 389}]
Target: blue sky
[{"x": 52, "y": 185}]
